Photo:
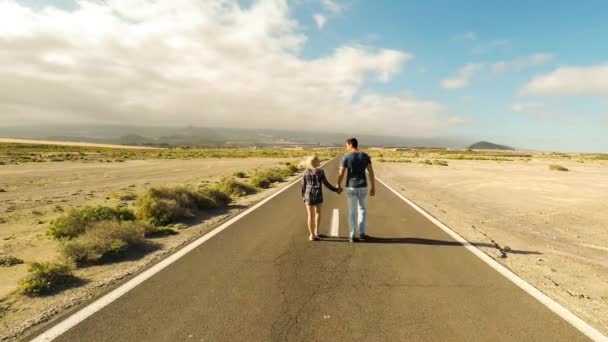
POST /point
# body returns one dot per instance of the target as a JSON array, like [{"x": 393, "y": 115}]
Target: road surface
[{"x": 262, "y": 280}]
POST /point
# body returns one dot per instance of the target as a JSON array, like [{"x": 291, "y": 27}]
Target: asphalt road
[{"x": 262, "y": 280}]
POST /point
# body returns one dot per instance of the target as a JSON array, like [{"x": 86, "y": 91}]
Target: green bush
[
  {"x": 440, "y": 162},
  {"x": 76, "y": 221},
  {"x": 426, "y": 162},
  {"x": 219, "y": 198},
  {"x": 240, "y": 174},
  {"x": 163, "y": 205},
  {"x": 46, "y": 277},
  {"x": 273, "y": 175},
  {"x": 235, "y": 188},
  {"x": 293, "y": 169},
  {"x": 260, "y": 182},
  {"x": 7, "y": 261},
  {"x": 557, "y": 168},
  {"x": 105, "y": 238}
]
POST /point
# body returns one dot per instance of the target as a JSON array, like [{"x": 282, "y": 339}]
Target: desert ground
[
  {"x": 34, "y": 191},
  {"x": 548, "y": 226}
]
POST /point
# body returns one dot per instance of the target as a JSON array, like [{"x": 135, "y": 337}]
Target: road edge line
[
  {"x": 82, "y": 314},
  {"x": 551, "y": 304}
]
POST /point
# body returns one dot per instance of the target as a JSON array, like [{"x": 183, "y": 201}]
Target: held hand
[
  {"x": 372, "y": 192},
  {"x": 339, "y": 191}
]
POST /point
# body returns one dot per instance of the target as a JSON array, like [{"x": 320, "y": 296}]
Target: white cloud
[
  {"x": 483, "y": 48},
  {"x": 564, "y": 81},
  {"x": 521, "y": 63},
  {"x": 332, "y": 6},
  {"x": 528, "y": 107},
  {"x": 466, "y": 74},
  {"x": 471, "y": 36},
  {"x": 320, "y": 19},
  {"x": 463, "y": 77},
  {"x": 208, "y": 63}
]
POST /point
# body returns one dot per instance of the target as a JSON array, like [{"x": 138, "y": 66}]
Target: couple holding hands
[{"x": 354, "y": 165}]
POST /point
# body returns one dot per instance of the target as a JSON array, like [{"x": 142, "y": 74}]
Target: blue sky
[
  {"x": 445, "y": 35},
  {"x": 531, "y": 74}
]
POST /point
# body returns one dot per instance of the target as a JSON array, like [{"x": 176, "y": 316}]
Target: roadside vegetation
[
  {"x": 94, "y": 235},
  {"x": 556, "y": 167},
  {"x": 46, "y": 278},
  {"x": 9, "y": 260},
  {"x": 17, "y": 153}
]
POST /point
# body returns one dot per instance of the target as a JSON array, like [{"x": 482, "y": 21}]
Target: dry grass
[
  {"x": 8, "y": 261},
  {"x": 46, "y": 277},
  {"x": 105, "y": 239},
  {"x": 76, "y": 221},
  {"x": 555, "y": 167},
  {"x": 161, "y": 206}
]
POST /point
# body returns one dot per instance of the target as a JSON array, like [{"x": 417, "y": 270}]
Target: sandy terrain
[
  {"x": 69, "y": 143},
  {"x": 554, "y": 223}
]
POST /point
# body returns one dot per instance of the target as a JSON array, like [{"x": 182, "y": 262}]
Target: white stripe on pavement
[{"x": 335, "y": 223}]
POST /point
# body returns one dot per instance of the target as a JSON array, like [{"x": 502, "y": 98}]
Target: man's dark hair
[{"x": 353, "y": 142}]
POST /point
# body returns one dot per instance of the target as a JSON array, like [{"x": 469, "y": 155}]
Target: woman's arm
[
  {"x": 327, "y": 183},
  {"x": 303, "y": 185}
]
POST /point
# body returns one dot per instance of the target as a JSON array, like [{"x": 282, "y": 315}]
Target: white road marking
[
  {"x": 335, "y": 223},
  {"x": 564, "y": 313},
  {"x": 99, "y": 304}
]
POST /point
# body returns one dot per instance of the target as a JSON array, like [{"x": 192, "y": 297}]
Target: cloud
[
  {"x": 320, "y": 19},
  {"x": 521, "y": 63},
  {"x": 527, "y": 107},
  {"x": 332, "y": 7},
  {"x": 569, "y": 81},
  {"x": 463, "y": 77},
  {"x": 208, "y": 63},
  {"x": 466, "y": 74},
  {"x": 471, "y": 36},
  {"x": 484, "y": 48}
]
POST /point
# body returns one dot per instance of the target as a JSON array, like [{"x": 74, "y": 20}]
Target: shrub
[
  {"x": 235, "y": 188},
  {"x": 76, "y": 221},
  {"x": 240, "y": 174},
  {"x": 440, "y": 162},
  {"x": 105, "y": 238},
  {"x": 164, "y": 205},
  {"x": 46, "y": 277},
  {"x": 273, "y": 175},
  {"x": 220, "y": 198},
  {"x": 293, "y": 169},
  {"x": 426, "y": 162},
  {"x": 2, "y": 190},
  {"x": 260, "y": 182},
  {"x": 7, "y": 261},
  {"x": 557, "y": 168}
]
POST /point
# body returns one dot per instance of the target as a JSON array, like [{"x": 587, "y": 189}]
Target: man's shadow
[{"x": 431, "y": 242}]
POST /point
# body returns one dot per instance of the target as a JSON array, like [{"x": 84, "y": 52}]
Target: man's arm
[
  {"x": 341, "y": 173},
  {"x": 372, "y": 180}
]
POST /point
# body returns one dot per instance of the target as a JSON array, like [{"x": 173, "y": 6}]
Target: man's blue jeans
[{"x": 357, "y": 209}]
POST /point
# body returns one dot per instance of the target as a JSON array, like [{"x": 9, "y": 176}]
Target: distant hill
[{"x": 484, "y": 145}]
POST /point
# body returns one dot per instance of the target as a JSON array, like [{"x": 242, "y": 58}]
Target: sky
[{"x": 531, "y": 74}]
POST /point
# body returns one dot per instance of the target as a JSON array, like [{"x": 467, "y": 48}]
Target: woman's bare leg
[
  {"x": 317, "y": 219},
  {"x": 311, "y": 217}
]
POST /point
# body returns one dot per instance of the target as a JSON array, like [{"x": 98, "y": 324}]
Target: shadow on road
[{"x": 431, "y": 242}]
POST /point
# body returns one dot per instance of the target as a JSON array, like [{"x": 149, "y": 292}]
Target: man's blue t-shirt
[{"x": 356, "y": 163}]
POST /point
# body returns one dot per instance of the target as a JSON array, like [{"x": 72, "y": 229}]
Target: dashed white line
[{"x": 335, "y": 223}]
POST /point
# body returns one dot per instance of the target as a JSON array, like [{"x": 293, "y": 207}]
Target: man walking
[{"x": 354, "y": 164}]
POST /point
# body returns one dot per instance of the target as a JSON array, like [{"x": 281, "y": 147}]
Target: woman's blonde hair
[{"x": 309, "y": 162}]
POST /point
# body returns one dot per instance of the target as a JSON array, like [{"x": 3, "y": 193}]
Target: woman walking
[{"x": 312, "y": 191}]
